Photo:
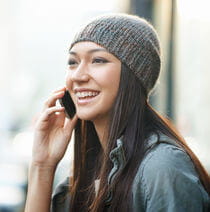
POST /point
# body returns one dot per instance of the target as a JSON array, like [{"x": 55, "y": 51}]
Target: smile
[{"x": 86, "y": 94}]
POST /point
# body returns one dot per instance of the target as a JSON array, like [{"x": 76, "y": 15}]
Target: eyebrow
[{"x": 90, "y": 51}]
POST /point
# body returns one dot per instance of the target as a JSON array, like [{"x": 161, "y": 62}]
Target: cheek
[
  {"x": 108, "y": 77},
  {"x": 110, "y": 85},
  {"x": 68, "y": 81},
  {"x": 111, "y": 80}
]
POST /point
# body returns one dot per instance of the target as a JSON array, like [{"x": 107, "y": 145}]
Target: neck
[{"x": 101, "y": 127}]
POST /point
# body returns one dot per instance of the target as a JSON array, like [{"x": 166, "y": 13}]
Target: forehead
[
  {"x": 86, "y": 45},
  {"x": 84, "y": 48}
]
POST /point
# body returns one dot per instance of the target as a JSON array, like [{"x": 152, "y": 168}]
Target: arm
[
  {"x": 39, "y": 188},
  {"x": 52, "y": 135}
]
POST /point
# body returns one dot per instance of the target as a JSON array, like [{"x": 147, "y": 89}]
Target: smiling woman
[
  {"x": 93, "y": 78},
  {"x": 126, "y": 156}
]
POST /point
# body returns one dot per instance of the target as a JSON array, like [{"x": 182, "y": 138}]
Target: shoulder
[
  {"x": 166, "y": 157},
  {"x": 167, "y": 178},
  {"x": 164, "y": 164}
]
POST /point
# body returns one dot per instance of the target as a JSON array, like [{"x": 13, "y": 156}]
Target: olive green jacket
[{"x": 166, "y": 180}]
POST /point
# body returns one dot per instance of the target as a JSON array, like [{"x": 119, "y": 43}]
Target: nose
[{"x": 79, "y": 74}]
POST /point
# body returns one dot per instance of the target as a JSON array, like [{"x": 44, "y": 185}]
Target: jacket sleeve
[
  {"x": 61, "y": 198},
  {"x": 167, "y": 182}
]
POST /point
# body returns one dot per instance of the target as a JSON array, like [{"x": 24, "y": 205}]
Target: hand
[{"x": 52, "y": 132}]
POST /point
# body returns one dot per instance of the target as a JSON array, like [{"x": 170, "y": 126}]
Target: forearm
[{"x": 40, "y": 184}]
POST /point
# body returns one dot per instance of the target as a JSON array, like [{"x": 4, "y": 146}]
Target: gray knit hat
[{"x": 131, "y": 39}]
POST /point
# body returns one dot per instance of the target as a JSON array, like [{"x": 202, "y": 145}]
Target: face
[{"x": 92, "y": 78}]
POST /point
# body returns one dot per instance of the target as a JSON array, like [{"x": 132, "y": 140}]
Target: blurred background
[{"x": 34, "y": 41}]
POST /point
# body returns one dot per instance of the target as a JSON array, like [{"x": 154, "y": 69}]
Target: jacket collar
[
  {"x": 117, "y": 156},
  {"x": 156, "y": 138}
]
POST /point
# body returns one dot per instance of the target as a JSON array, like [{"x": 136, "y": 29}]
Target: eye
[
  {"x": 99, "y": 60},
  {"x": 72, "y": 62}
]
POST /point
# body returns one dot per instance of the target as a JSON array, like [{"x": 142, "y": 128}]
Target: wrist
[
  {"x": 42, "y": 171},
  {"x": 40, "y": 183},
  {"x": 43, "y": 164}
]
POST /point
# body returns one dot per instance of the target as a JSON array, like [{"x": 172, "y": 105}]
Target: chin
[
  {"x": 86, "y": 117},
  {"x": 89, "y": 115}
]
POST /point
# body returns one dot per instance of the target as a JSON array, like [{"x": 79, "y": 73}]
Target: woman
[{"x": 126, "y": 156}]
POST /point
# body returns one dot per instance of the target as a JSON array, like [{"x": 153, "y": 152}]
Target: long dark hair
[{"x": 135, "y": 119}]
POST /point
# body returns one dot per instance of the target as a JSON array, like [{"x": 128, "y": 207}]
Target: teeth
[{"x": 85, "y": 94}]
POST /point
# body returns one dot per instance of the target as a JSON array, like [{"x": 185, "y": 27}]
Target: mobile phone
[{"x": 67, "y": 102}]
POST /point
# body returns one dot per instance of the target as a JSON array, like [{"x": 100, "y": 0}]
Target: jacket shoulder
[{"x": 167, "y": 179}]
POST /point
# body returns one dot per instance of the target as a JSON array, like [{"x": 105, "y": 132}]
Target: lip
[
  {"x": 85, "y": 89},
  {"x": 85, "y": 101}
]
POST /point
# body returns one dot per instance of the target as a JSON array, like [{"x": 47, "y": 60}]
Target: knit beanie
[{"x": 132, "y": 39}]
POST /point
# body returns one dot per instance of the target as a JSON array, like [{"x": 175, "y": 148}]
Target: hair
[{"x": 134, "y": 118}]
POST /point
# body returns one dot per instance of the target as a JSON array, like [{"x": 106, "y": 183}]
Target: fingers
[
  {"x": 51, "y": 101},
  {"x": 63, "y": 88},
  {"x": 51, "y": 110}
]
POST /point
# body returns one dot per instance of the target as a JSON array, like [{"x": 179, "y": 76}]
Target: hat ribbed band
[{"x": 130, "y": 38}]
